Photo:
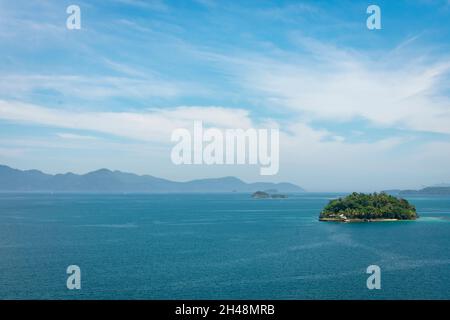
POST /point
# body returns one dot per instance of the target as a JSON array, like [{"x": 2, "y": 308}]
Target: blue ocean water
[{"x": 215, "y": 246}]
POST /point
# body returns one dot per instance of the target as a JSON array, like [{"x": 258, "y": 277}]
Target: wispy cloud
[
  {"x": 288, "y": 13},
  {"x": 152, "y": 125},
  {"x": 95, "y": 86},
  {"x": 72, "y": 136},
  {"x": 157, "y": 5},
  {"x": 336, "y": 84}
]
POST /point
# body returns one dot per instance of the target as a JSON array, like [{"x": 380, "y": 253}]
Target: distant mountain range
[
  {"x": 442, "y": 185},
  {"x": 107, "y": 181},
  {"x": 424, "y": 191}
]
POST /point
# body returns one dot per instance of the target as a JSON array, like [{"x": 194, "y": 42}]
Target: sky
[{"x": 357, "y": 109}]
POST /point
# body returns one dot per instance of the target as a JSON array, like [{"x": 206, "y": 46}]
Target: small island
[
  {"x": 266, "y": 195},
  {"x": 360, "y": 207}
]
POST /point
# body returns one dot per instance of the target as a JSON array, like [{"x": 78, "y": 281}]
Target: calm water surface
[{"x": 215, "y": 247}]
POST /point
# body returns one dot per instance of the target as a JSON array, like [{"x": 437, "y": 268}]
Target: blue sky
[{"x": 358, "y": 109}]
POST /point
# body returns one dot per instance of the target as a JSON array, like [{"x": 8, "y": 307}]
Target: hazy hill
[
  {"x": 427, "y": 191},
  {"x": 105, "y": 180},
  {"x": 424, "y": 191}
]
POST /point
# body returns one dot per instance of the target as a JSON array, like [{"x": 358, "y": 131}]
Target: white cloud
[
  {"x": 72, "y": 136},
  {"x": 393, "y": 89},
  {"x": 151, "y": 125},
  {"x": 320, "y": 163}
]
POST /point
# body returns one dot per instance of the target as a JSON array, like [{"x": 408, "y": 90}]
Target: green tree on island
[{"x": 360, "y": 206}]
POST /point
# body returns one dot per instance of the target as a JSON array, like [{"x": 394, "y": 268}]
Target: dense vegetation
[
  {"x": 370, "y": 206},
  {"x": 260, "y": 195}
]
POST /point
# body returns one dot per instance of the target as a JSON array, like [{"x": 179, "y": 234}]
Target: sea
[{"x": 216, "y": 246}]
